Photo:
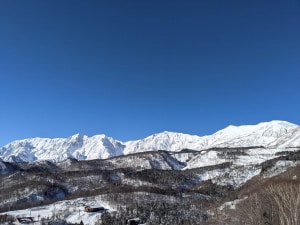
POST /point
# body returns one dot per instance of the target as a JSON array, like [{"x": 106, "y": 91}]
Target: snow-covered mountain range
[{"x": 274, "y": 134}]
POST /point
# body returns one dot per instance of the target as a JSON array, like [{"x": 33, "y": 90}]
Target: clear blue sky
[{"x": 129, "y": 69}]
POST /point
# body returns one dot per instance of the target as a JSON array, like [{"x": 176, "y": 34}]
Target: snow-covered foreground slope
[
  {"x": 275, "y": 134},
  {"x": 72, "y": 211}
]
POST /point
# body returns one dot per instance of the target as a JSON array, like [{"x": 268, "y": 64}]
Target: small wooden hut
[
  {"x": 25, "y": 220},
  {"x": 93, "y": 209}
]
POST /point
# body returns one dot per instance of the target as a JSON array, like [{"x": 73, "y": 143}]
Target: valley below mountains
[{"x": 239, "y": 175}]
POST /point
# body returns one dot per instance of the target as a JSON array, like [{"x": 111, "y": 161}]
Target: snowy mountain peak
[
  {"x": 278, "y": 123},
  {"x": 170, "y": 141},
  {"x": 275, "y": 125},
  {"x": 77, "y": 136},
  {"x": 262, "y": 134},
  {"x": 171, "y": 136}
]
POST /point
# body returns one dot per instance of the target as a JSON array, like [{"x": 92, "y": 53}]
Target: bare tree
[
  {"x": 275, "y": 203},
  {"x": 285, "y": 195}
]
